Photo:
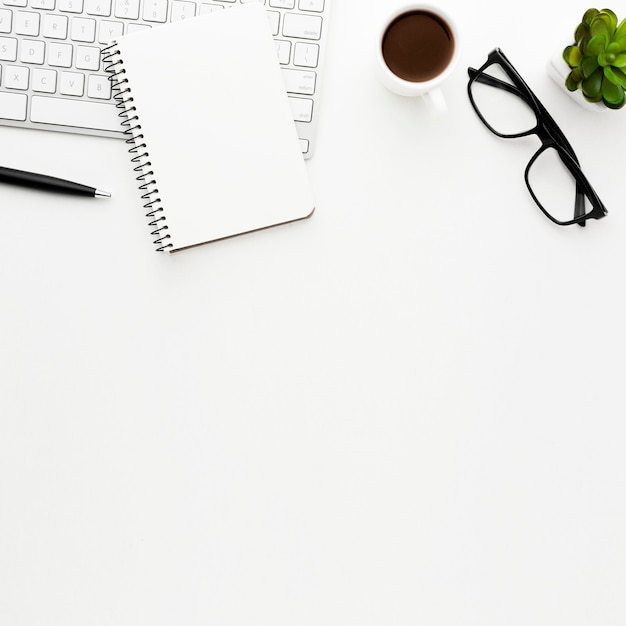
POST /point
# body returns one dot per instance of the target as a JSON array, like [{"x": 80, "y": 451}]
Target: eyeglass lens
[
  {"x": 505, "y": 112},
  {"x": 553, "y": 185}
]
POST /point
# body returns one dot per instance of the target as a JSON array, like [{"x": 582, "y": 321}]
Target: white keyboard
[{"x": 51, "y": 73}]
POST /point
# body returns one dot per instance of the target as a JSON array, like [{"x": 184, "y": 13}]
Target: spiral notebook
[{"x": 212, "y": 134}]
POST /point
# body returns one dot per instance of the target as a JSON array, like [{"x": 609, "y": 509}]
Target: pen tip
[{"x": 102, "y": 194}]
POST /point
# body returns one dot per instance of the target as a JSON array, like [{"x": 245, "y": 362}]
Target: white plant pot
[{"x": 558, "y": 71}]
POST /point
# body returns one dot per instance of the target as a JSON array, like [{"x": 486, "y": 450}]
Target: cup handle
[{"x": 435, "y": 100}]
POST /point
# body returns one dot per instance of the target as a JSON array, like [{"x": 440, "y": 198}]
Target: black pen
[{"x": 48, "y": 183}]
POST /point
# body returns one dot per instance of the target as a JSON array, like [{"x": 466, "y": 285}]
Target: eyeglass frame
[{"x": 547, "y": 131}]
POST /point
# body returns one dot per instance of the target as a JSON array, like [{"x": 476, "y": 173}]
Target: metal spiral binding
[{"x": 113, "y": 64}]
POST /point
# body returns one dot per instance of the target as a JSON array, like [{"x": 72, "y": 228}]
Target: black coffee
[{"x": 417, "y": 46}]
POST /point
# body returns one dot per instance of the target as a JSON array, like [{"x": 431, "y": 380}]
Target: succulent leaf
[
  {"x": 621, "y": 42},
  {"x": 618, "y": 104},
  {"x": 609, "y": 18},
  {"x": 588, "y": 66},
  {"x": 573, "y": 80},
  {"x": 581, "y": 34},
  {"x": 606, "y": 59},
  {"x": 616, "y": 76},
  {"x": 610, "y": 14},
  {"x": 599, "y": 26},
  {"x": 620, "y": 31},
  {"x": 596, "y": 45},
  {"x": 620, "y": 61},
  {"x": 589, "y": 15},
  {"x": 572, "y": 56},
  {"x": 612, "y": 95},
  {"x": 592, "y": 85}
]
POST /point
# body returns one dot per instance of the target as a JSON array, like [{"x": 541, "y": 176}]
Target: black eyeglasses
[{"x": 509, "y": 109}]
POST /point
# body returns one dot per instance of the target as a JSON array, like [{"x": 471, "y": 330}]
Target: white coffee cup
[{"x": 417, "y": 49}]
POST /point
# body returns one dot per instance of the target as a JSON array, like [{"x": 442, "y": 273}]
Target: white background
[{"x": 406, "y": 410}]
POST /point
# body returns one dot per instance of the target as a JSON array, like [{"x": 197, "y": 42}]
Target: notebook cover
[{"x": 213, "y": 112}]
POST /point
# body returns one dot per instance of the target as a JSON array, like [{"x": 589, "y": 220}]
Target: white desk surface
[{"x": 406, "y": 410}]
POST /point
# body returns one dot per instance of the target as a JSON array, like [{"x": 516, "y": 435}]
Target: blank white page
[{"x": 217, "y": 123}]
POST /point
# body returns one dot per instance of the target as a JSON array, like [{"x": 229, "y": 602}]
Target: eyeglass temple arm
[{"x": 579, "y": 204}]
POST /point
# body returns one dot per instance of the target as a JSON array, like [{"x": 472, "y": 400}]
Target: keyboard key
[
  {"x": 109, "y": 31},
  {"x": 127, "y": 9},
  {"x": 306, "y": 54},
  {"x": 182, "y": 10},
  {"x": 8, "y": 49},
  {"x": 33, "y": 52},
  {"x": 26, "y": 23},
  {"x": 98, "y": 7},
  {"x": 87, "y": 58},
  {"x": 72, "y": 84},
  {"x": 302, "y": 109},
  {"x": 134, "y": 27},
  {"x": 44, "y": 81},
  {"x": 6, "y": 18},
  {"x": 60, "y": 54},
  {"x": 79, "y": 113},
  {"x": 274, "y": 19},
  {"x": 301, "y": 82},
  {"x": 155, "y": 11},
  {"x": 311, "y": 5},
  {"x": 209, "y": 8},
  {"x": 83, "y": 29},
  {"x": 302, "y": 26},
  {"x": 46, "y": 5},
  {"x": 99, "y": 87},
  {"x": 70, "y": 6},
  {"x": 54, "y": 26},
  {"x": 13, "y": 106},
  {"x": 16, "y": 77},
  {"x": 283, "y": 51}
]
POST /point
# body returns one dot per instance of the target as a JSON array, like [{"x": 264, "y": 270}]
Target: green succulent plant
[{"x": 597, "y": 59}]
